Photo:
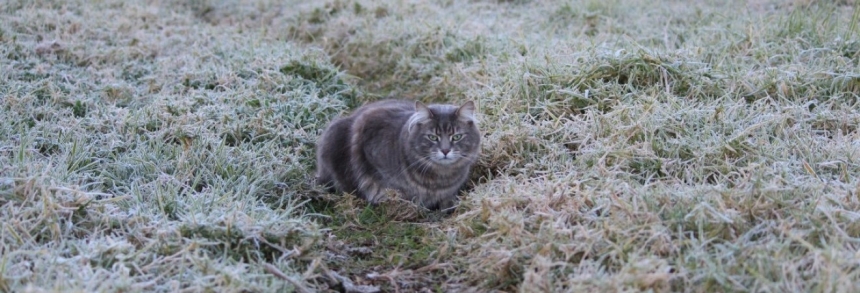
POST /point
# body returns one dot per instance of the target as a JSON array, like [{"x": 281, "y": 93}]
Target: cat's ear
[
  {"x": 422, "y": 110},
  {"x": 422, "y": 113},
  {"x": 467, "y": 111}
]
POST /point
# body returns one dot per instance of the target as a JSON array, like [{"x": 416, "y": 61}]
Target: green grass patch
[{"x": 389, "y": 237}]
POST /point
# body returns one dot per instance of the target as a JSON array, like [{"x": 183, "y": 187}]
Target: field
[{"x": 665, "y": 146}]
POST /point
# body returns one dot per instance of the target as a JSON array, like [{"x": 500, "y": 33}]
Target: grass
[{"x": 628, "y": 145}]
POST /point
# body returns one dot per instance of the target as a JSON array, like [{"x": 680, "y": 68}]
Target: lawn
[{"x": 666, "y": 146}]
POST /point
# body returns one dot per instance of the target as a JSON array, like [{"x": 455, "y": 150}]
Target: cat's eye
[
  {"x": 432, "y": 137},
  {"x": 457, "y": 137}
]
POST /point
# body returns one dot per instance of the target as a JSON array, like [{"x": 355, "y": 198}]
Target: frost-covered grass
[{"x": 702, "y": 146}]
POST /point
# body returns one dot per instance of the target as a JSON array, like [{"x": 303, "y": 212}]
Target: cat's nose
[{"x": 445, "y": 151}]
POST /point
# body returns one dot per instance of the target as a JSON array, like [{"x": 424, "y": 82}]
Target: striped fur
[{"x": 423, "y": 152}]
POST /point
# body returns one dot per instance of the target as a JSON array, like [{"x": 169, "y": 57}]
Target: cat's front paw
[
  {"x": 448, "y": 205},
  {"x": 374, "y": 193}
]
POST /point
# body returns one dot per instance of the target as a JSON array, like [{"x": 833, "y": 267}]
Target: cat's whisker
[{"x": 420, "y": 160}]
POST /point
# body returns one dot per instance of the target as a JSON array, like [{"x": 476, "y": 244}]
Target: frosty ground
[{"x": 685, "y": 146}]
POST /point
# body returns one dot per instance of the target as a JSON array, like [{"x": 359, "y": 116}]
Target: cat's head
[{"x": 445, "y": 135}]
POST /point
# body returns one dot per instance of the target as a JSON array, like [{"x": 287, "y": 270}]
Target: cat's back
[
  {"x": 391, "y": 108},
  {"x": 383, "y": 113}
]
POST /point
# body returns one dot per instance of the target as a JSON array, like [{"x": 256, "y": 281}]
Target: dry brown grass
[{"x": 629, "y": 145}]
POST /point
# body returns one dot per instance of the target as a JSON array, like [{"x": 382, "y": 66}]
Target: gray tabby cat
[{"x": 423, "y": 152}]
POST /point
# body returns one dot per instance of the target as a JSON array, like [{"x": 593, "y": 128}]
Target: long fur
[{"x": 390, "y": 145}]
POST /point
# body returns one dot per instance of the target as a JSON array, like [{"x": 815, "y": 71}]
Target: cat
[{"x": 425, "y": 153}]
